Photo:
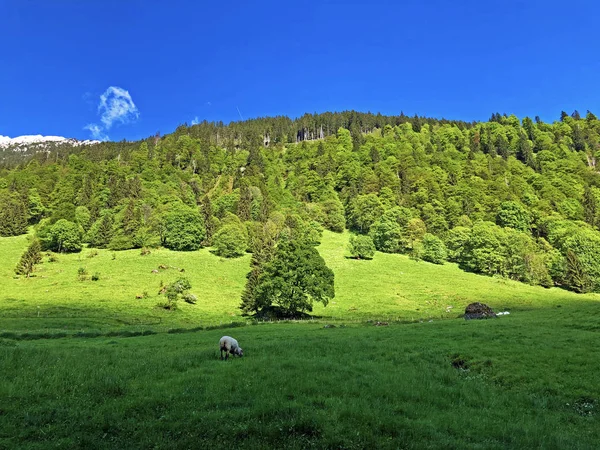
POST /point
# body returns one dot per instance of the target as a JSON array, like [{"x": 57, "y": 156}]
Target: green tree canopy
[
  {"x": 184, "y": 229},
  {"x": 296, "y": 277}
]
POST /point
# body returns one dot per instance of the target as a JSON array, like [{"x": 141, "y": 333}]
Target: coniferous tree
[
  {"x": 244, "y": 203},
  {"x": 29, "y": 259},
  {"x": 207, "y": 215},
  {"x": 590, "y": 206},
  {"x": 13, "y": 216}
]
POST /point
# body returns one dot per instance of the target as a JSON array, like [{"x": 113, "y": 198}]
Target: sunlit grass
[{"x": 388, "y": 288}]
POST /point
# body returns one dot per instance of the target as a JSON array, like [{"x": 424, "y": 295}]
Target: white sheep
[{"x": 230, "y": 345}]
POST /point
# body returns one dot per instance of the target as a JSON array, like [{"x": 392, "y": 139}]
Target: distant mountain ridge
[{"x": 23, "y": 142}]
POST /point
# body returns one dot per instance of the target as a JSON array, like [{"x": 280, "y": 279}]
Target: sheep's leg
[
  {"x": 221, "y": 354},
  {"x": 226, "y": 355}
]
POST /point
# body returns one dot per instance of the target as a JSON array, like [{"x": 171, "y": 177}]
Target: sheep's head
[{"x": 239, "y": 351}]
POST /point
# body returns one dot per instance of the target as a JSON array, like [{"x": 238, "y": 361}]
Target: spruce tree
[
  {"x": 29, "y": 259},
  {"x": 590, "y": 206},
  {"x": 207, "y": 214}
]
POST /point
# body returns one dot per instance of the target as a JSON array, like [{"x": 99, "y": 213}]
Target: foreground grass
[
  {"x": 389, "y": 288},
  {"x": 528, "y": 380}
]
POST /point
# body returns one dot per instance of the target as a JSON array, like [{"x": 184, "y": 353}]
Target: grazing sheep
[{"x": 230, "y": 345}]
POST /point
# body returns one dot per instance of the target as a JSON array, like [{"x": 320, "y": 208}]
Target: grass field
[
  {"x": 390, "y": 288},
  {"x": 527, "y": 380}
]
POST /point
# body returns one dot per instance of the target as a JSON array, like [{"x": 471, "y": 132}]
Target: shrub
[
  {"x": 361, "y": 247},
  {"x": 190, "y": 298},
  {"x": 82, "y": 273},
  {"x": 173, "y": 291},
  {"x": 96, "y": 276}
]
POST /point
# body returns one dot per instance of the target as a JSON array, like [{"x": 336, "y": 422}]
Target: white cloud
[
  {"x": 195, "y": 121},
  {"x": 116, "y": 105},
  {"x": 97, "y": 132}
]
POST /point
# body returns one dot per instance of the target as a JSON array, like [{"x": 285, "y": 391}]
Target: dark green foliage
[
  {"x": 296, "y": 277},
  {"x": 263, "y": 252},
  {"x": 82, "y": 217},
  {"x": 361, "y": 247},
  {"x": 13, "y": 215},
  {"x": 31, "y": 257},
  {"x": 184, "y": 229},
  {"x": 434, "y": 249},
  {"x": 230, "y": 241},
  {"x": 102, "y": 230},
  {"x": 121, "y": 242}
]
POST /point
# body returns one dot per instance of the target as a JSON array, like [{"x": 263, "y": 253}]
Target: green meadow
[
  {"x": 71, "y": 378},
  {"x": 390, "y": 287}
]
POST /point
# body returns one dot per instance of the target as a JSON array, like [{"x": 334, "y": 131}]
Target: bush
[
  {"x": 434, "y": 249},
  {"x": 190, "y": 298},
  {"x": 82, "y": 273},
  {"x": 173, "y": 291},
  {"x": 95, "y": 276},
  {"x": 230, "y": 241},
  {"x": 361, "y": 247}
]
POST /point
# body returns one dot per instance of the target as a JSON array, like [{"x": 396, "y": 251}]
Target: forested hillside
[{"x": 506, "y": 197}]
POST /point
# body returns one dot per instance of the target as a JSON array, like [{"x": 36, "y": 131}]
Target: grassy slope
[{"x": 390, "y": 287}]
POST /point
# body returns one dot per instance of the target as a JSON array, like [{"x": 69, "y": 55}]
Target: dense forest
[{"x": 509, "y": 198}]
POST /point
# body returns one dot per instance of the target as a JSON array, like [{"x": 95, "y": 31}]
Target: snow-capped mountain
[{"x": 39, "y": 141}]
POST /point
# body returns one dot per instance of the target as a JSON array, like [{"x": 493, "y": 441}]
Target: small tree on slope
[{"x": 29, "y": 259}]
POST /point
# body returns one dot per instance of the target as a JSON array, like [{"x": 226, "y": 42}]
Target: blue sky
[{"x": 126, "y": 69}]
